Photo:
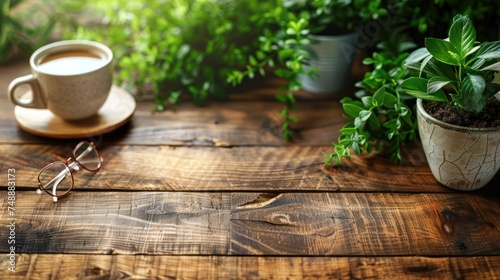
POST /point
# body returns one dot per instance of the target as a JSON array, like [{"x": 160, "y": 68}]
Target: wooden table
[{"x": 214, "y": 192}]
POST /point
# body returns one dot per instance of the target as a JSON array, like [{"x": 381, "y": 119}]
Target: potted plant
[
  {"x": 457, "y": 112},
  {"x": 333, "y": 27}
]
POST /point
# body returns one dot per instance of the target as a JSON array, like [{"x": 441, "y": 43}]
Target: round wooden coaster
[{"x": 116, "y": 111}]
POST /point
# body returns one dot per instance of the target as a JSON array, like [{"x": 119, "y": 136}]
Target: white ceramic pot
[
  {"x": 460, "y": 158},
  {"x": 331, "y": 57}
]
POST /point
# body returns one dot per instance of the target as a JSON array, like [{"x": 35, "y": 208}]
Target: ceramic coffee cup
[{"x": 70, "y": 78}]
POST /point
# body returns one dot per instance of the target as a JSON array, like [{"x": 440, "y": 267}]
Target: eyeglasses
[{"x": 56, "y": 178}]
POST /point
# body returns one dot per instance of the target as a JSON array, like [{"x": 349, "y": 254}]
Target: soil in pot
[{"x": 489, "y": 117}]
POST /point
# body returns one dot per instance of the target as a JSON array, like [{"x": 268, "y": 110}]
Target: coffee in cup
[{"x": 70, "y": 78}]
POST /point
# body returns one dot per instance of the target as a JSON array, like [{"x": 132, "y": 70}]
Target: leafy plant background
[
  {"x": 200, "y": 48},
  {"x": 24, "y": 28}
]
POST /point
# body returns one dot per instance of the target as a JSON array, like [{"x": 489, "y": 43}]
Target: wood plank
[
  {"x": 121, "y": 223},
  {"x": 296, "y": 224},
  {"x": 234, "y": 124},
  {"x": 365, "y": 224},
  {"x": 40, "y": 266},
  {"x": 292, "y": 168}
]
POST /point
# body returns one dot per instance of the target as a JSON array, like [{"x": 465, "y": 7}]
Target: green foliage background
[
  {"x": 24, "y": 29},
  {"x": 180, "y": 46}
]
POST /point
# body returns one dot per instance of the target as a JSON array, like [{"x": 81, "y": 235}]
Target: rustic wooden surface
[{"x": 214, "y": 192}]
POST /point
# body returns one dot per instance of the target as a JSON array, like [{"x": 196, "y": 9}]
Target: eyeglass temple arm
[
  {"x": 58, "y": 178},
  {"x": 86, "y": 152},
  {"x": 74, "y": 165}
]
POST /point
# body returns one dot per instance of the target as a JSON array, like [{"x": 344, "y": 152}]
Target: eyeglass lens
[
  {"x": 56, "y": 179},
  {"x": 87, "y": 156}
]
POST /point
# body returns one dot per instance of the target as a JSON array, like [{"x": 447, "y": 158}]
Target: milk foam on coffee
[{"x": 70, "y": 63}]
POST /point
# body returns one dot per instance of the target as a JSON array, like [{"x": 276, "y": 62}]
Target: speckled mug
[{"x": 73, "y": 95}]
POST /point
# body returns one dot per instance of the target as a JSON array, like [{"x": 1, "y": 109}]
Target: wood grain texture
[
  {"x": 41, "y": 267},
  {"x": 365, "y": 224},
  {"x": 292, "y": 168},
  {"x": 117, "y": 223},
  {"x": 212, "y": 223},
  {"x": 234, "y": 124}
]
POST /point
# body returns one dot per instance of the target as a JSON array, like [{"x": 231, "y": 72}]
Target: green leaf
[
  {"x": 361, "y": 139},
  {"x": 492, "y": 67},
  {"x": 417, "y": 56},
  {"x": 290, "y": 31},
  {"x": 355, "y": 147},
  {"x": 436, "y": 68},
  {"x": 390, "y": 135},
  {"x": 462, "y": 35},
  {"x": 443, "y": 51},
  {"x": 367, "y": 101},
  {"x": 403, "y": 111},
  {"x": 378, "y": 97},
  {"x": 436, "y": 83},
  {"x": 489, "y": 50},
  {"x": 348, "y": 130},
  {"x": 281, "y": 98},
  {"x": 358, "y": 122},
  {"x": 490, "y": 55},
  {"x": 368, "y": 61},
  {"x": 472, "y": 98},
  {"x": 394, "y": 124},
  {"x": 292, "y": 119},
  {"x": 351, "y": 109},
  {"x": 252, "y": 61},
  {"x": 424, "y": 63},
  {"x": 364, "y": 115},
  {"x": 183, "y": 51},
  {"x": 390, "y": 100},
  {"x": 417, "y": 87}
]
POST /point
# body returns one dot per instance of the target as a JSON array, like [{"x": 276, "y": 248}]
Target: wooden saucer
[{"x": 116, "y": 111}]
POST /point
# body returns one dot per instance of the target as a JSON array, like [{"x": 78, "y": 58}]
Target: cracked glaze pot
[{"x": 460, "y": 158}]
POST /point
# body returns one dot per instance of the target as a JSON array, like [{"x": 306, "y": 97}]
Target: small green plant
[
  {"x": 381, "y": 116},
  {"x": 456, "y": 70},
  {"x": 283, "y": 40}
]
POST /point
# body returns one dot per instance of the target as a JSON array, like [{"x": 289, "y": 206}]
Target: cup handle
[{"x": 36, "y": 101}]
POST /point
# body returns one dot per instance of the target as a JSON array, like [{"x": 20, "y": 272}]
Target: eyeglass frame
[{"x": 66, "y": 163}]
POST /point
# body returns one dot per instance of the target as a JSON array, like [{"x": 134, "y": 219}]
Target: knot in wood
[{"x": 281, "y": 219}]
